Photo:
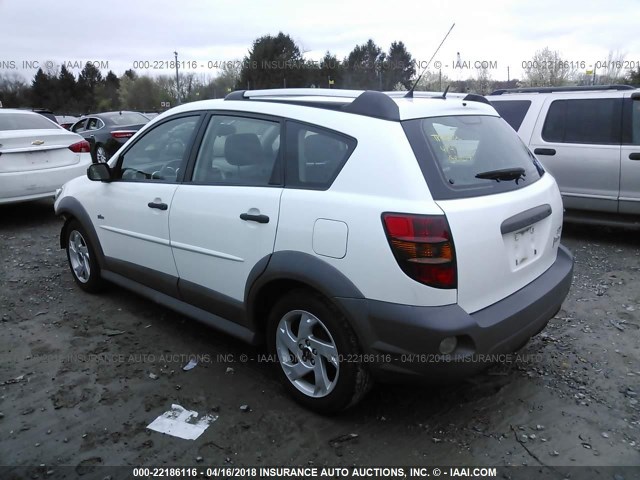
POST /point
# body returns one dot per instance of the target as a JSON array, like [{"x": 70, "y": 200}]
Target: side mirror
[
  {"x": 635, "y": 96},
  {"x": 99, "y": 172}
]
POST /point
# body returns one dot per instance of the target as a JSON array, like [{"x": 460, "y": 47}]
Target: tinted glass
[
  {"x": 25, "y": 121},
  {"x": 314, "y": 156},
  {"x": 160, "y": 154},
  {"x": 125, "y": 118},
  {"x": 594, "y": 121},
  {"x": 513, "y": 111},
  {"x": 238, "y": 151},
  {"x": 452, "y": 151}
]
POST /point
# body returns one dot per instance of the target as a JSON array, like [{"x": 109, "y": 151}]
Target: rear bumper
[
  {"x": 30, "y": 185},
  {"x": 403, "y": 341}
]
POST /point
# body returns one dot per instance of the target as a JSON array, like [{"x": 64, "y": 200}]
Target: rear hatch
[
  {"x": 503, "y": 210},
  {"x": 25, "y": 150}
]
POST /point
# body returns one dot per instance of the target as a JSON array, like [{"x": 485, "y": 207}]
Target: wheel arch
[
  {"x": 71, "y": 209},
  {"x": 284, "y": 271}
]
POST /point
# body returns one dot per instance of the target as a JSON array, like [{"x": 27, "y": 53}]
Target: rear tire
[
  {"x": 82, "y": 258},
  {"x": 101, "y": 154},
  {"x": 317, "y": 352}
]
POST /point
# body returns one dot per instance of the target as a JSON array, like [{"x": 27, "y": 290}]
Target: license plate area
[{"x": 523, "y": 247}]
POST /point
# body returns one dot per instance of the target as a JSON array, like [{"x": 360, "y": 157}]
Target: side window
[
  {"x": 79, "y": 126},
  {"x": 92, "y": 124},
  {"x": 631, "y": 130},
  {"x": 513, "y": 111},
  {"x": 314, "y": 156},
  {"x": 160, "y": 153},
  {"x": 593, "y": 121},
  {"x": 239, "y": 151}
]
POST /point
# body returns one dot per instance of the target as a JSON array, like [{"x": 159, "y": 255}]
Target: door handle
[
  {"x": 158, "y": 205},
  {"x": 254, "y": 218},
  {"x": 545, "y": 151},
  {"x": 634, "y": 156}
]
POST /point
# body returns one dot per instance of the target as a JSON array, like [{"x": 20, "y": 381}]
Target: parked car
[
  {"x": 588, "y": 138},
  {"x": 46, "y": 113},
  {"x": 339, "y": 227},
  {"x": 37, "y": 156},
  {"x": 66, "y": 121},
  {"x": 108, "y": 131}
]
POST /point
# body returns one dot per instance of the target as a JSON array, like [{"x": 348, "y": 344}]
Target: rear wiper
[{"x": 516, "y": 173}]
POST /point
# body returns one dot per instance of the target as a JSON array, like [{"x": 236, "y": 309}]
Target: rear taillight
[
  {"x": 122, "y": 133},
  {"x": 80, "y": 147},
  {"x": 423, "y": 247}
]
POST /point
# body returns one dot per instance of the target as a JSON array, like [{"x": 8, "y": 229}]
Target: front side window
[
  {"x": 239, "y": 151},
  {"x": 631, "y": 131},
  {"x": 80, "y": 126},
  {"x": 160, "y": 154},
  {"x": 470, "y": 155},
  {"x": 314, "y": 156},
  {"x": 593, "y": 121}
]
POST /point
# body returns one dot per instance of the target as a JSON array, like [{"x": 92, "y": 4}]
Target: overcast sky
[{"x": 504, "y": 32}]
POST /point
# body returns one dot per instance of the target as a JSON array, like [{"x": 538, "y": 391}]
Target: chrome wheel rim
[
  {"x": 101, "y": 155},
  {"x": 307, "y": 353},
  {"x": 79, "y": 256}
]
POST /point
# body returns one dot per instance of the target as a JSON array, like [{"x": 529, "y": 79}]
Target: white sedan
[{"x": 37, "y": 156}]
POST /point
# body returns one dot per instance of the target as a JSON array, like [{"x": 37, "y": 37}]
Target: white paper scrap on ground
[{"x": 182, "y": 423}]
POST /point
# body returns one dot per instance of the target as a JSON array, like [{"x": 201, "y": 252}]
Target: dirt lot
[{"x": 75, "y": 387}]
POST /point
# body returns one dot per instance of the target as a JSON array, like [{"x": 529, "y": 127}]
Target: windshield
[{"x": 456, "y": 152}]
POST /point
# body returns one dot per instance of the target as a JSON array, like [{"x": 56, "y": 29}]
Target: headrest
[
  {"x": 242, "y": 149},
  {"x": 321, "y": 149},
  {"x": 225, "y": 129}
]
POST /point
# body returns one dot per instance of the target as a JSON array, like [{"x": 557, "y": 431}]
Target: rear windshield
[
  {"x": 513, "y": 111},
  {"x": 454, "y": 151},
  {"x": 25, "y": 121},
  {"x": 126, "y": 118}
]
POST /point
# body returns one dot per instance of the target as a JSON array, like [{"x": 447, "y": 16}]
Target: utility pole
[
  {"x": 177, "y": 80},
  {"x": 508, "y": 76}
]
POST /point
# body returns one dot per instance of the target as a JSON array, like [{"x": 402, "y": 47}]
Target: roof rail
[
  {"x": 369, "y": 103},
  {"x": 581, "y": 88}
]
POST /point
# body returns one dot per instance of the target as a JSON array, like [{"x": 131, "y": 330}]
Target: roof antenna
[
  {"x": 444, "y": 95},
  {"x": 410, "y": 92}
]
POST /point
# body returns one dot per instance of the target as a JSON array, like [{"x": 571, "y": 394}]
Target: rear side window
[
  {"x": 314, "y": 156},
  {"x": 25, "y": 121},
  {"x": 513, "y": 111},
  {"x": 593, "y": 121},
  {"x": 455, "y": 152}
]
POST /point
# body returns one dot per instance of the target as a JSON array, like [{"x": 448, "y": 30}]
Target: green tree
[
  {"x": 398, "y": 67},
  {"x": 89, "y": 80},
  {"x": 363, "y": 67},
  {"x": 273, "y": 62},
  {"x": 66, "y": 93},
  {"x": 142, "y": 94},
  {"x": 110, "y": 94},
  {"x": 43, "y": 89}
]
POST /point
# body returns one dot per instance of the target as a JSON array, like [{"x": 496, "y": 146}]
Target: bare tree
[
  {"x": 611, "y": 68},
  {"x": 547, "y": 68}
]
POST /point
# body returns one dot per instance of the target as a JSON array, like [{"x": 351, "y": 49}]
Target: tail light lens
[
  {"x": 122, "y": 133},
  {"x": 80, "y": 147},
  {"x": 423, "y": 247}
]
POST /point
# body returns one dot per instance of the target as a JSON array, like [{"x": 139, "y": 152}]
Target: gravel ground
[{"x": 82, "y": 376}]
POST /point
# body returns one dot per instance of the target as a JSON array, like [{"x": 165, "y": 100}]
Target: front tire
[
  {"x": 82, "y": 258},
  {"x": 317, "y": 352}
]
